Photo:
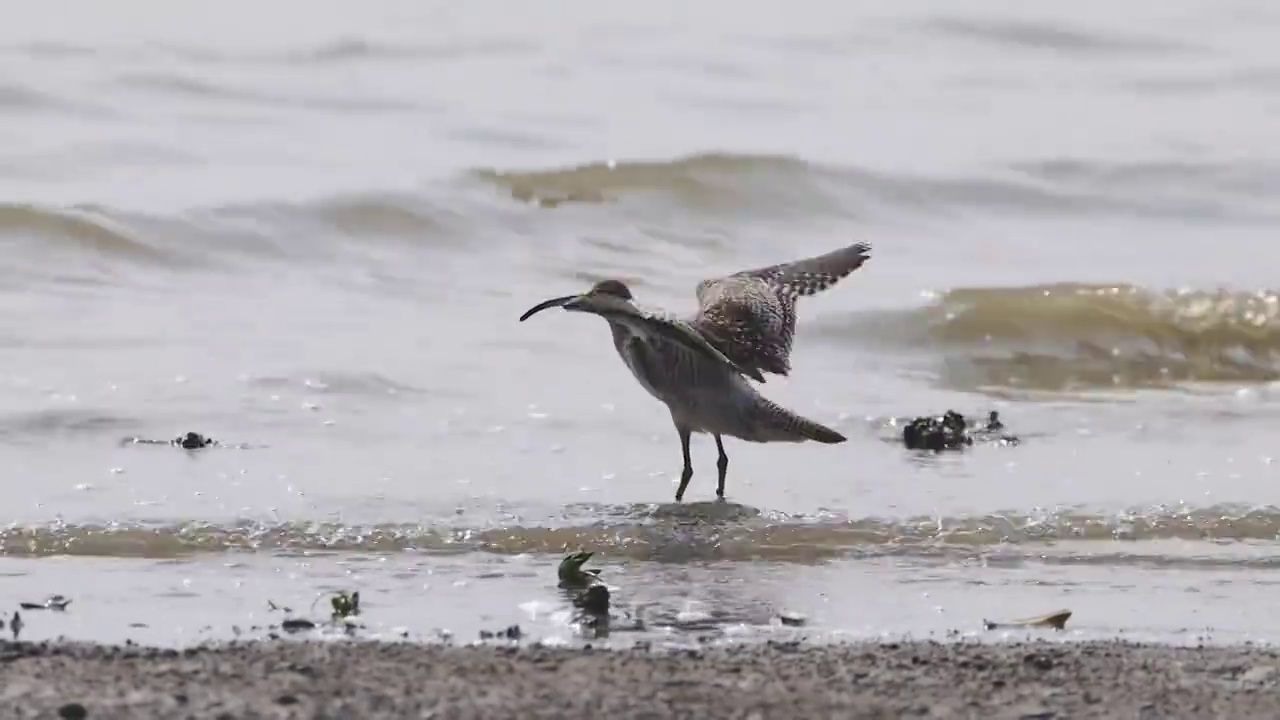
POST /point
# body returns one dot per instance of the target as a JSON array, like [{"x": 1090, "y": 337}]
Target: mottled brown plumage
[
  {"x": 750, "y": 316},
  {"x": 698, "y": 368}
]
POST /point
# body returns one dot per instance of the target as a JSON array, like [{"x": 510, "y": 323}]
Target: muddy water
[{"x": 312, "y": 234}]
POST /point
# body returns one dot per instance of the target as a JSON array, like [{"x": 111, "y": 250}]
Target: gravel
[{"x": 370, "y": 680}]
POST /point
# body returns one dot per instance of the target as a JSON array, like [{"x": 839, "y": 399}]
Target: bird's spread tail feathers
[
  {"x": 819, "y": 433},
  {"x": 775, "y": 423}
]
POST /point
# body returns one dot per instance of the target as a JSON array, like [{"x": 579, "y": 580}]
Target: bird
[{"x": 699, "y": 366}]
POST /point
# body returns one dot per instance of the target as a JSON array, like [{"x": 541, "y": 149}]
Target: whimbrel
[{"x": 699, "y": 366}]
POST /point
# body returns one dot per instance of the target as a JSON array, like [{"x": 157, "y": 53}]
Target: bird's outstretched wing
[
  {"x": 663, "y": 328},
  {"x": 812, "y": 275},
  {"x": 750, "y": 316}
]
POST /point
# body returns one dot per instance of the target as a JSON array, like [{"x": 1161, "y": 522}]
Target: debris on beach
[
  {"x": 792, "y": 619},
  {"x": 511, "y": 632},
  {"x": 194, "y": 441},
  {"x": 186, "y": 441},
  {"x": 293, "y": 625},
  {"x": 345, "y": 605},
  {"x": 571, "y": 573},
  {"x": 993, "y": 431},
  {"x": 53, "y": 602},
  {"x": 1056, "y": 620},
  {"x": 593, "y": 601},
  {"x": 587, "y": 592},
  {"x": 593, "y": 612}
]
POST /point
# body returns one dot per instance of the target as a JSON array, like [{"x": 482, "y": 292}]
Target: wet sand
[{"x": 397, "y": 680}]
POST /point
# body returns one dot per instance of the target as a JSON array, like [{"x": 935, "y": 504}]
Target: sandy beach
[{"x": 401, "y": 680}]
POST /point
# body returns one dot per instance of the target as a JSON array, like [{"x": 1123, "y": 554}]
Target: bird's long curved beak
[{"x": 553, "y": 302}]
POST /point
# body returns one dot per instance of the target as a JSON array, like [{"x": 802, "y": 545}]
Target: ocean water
[{"x": 308, "y": 230}]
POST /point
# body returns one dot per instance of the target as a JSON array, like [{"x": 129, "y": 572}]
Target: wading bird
[{"x": 699, "y": 366}]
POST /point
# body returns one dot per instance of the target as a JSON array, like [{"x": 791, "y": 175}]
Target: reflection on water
[{"x": 455, "y": 598}]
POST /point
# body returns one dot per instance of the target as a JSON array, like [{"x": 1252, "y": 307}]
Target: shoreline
[{"x": 371, "y": 679}]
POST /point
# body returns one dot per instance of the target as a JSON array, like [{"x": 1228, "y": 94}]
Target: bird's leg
[
  {"x": 722, "y": 464},
  {"x": 688, "y": 464}
]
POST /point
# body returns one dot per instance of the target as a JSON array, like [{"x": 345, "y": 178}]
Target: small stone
[
  {"x": 1039, "y": 662},
  {"x": 73, "y": 711},
  {"x": 1260, "y": 675},
  {"x": 286, "y": 700}
]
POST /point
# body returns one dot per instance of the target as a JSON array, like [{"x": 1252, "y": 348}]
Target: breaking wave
[
  {"x": 704, "y": 179},
  {"x": 706, "y": 532},
  {"x": 85, "y": 228},
  {"x": 1068, "y": 335},
  {"x": 205, "y": 237},
  {"x": 735, "y": 188},
  {"x": 784, "y": 185}
]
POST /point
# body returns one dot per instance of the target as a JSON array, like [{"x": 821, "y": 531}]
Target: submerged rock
[
  {"x": 194, "y": 441},
  {"x": 188, "y": 441}
]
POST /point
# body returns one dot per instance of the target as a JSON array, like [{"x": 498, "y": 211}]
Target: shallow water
[{"x": 313, "y": 234}]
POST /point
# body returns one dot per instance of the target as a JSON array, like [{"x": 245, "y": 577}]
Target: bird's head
[
  {"x": 616, "y": 288},
  {"x": 613, "y": 289}
]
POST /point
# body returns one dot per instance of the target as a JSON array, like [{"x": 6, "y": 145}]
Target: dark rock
[
  {"x": 1039, "y": 661},
  {"x": 73, "y": 711},
  {"x": 594, "y": 600},
  {"x": 194, "y": 441},
  {"x": 950, "y": 431},
  {"x": 945, "y": 432},
  {"x": 296, "y": 625}
]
